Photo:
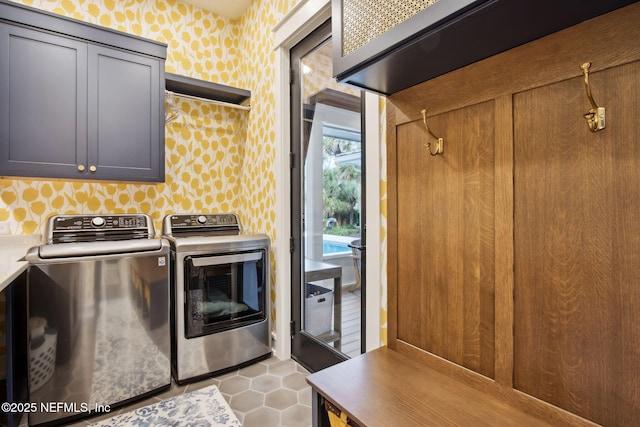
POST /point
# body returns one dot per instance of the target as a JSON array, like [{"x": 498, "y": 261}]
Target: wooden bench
[{"x": 385, "y": 388}]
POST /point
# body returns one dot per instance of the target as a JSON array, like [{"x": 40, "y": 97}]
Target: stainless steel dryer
[
  {"x": 219, "y": 294},
  {"x": 98, "y": 315}
]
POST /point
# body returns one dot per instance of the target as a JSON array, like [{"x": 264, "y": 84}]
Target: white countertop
[{"x": 12, "y": 251}]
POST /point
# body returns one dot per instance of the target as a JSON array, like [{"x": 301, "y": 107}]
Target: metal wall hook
[
  {"x": 439, "y": 141},
  {"x": 595, "y": 117}
]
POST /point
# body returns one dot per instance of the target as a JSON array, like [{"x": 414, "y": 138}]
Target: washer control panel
[
  {"x": 106, "y": 222},
  {"x": 204, "y": 223},
  {"x": 89, "y": 228}
]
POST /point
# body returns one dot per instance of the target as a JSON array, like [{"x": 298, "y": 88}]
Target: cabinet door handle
[
  {"x": 92, "y": 168},
  {"x": 81, "y": 168}
]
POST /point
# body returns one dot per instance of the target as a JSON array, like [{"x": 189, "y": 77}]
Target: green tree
[
  {"x": 341, "y": 192},
  {"x": 341, "y": 183}
]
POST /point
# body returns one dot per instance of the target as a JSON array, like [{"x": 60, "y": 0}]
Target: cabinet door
[
  {"x": 126, "y": 134},
  {"x": 446, "y": 234},
  {"x": 43, "y": 92}
]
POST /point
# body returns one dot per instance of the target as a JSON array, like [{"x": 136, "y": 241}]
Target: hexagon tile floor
[{"x": 271, "y": 393}]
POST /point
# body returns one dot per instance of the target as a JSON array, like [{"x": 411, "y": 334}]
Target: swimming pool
[{"x": 333, "y": 247}]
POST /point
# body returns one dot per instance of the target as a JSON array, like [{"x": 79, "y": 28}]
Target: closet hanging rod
[{"x": 210, "y": 101}]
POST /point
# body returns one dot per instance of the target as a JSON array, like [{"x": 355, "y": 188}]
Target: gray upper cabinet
[
  {"x": 43, "y": 86},
  {"x": 125, "y": 123},
  {"x": 77, "y": 100}
]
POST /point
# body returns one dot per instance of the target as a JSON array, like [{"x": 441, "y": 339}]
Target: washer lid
[
  {"x": 87, "y": 249},
  {"x": 217, "y": 244}
]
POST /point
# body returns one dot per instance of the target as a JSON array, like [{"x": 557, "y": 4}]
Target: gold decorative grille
[{"x": 364, "y": 20}]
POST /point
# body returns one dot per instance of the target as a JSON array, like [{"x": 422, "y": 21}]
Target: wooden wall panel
[
  {"x": 447, "y": 234},
  {"x": 566, "y": 231},
  {"x": 577, "y": 241}
]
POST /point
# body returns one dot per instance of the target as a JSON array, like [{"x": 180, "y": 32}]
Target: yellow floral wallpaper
[
  {"x": 383, "y": 221},
  {"x": 257, "y": 72},
  {"x": 217, "y": 158},
  {"x": 207, "y": 168}
]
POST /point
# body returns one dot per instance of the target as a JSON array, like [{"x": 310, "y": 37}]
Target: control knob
[
  {"x": 98, "y": 221},
  {"x": 202, "y": 219}
]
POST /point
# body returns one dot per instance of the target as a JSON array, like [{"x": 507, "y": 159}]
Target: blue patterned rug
[{"x": 202, "y": 408}]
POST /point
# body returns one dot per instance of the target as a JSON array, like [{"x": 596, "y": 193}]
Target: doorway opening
[{"x": 328, "y": 208}]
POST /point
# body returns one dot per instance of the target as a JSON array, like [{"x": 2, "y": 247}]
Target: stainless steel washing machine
[
  {"x": 219, "y": 295},
  {"x": 98, "y": 311}
]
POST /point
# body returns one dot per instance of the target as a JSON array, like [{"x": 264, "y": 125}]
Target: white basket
[
  {"x": 318, "y": 308},
  {"x": 42, "y": 361}
]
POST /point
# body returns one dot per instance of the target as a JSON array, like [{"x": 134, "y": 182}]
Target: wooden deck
[{"x": 351, "y": 322}]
